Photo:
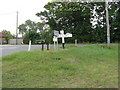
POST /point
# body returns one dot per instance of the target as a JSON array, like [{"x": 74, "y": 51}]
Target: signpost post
[{"x": 63, "y": 36}]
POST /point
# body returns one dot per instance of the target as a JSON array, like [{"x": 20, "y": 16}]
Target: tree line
[{"x": 86, "y": 21}]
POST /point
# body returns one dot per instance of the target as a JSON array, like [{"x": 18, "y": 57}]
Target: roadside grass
[{"x": 93, "y": 66}]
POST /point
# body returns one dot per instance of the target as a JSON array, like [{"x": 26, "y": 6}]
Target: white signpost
[{"x": 61, "y": 35}]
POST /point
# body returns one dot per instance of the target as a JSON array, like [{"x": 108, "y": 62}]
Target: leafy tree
[
  {"x": 100, "y": 27},
  {"x": 8, "y": 33},
  {"x": 22, "y": 29},
  {"x": 46, "y": 35},
  {"x": 31, "y": 30},
  {"x": 115, "y": 21},
  {"x": 40, "y": 26},
  {"x": 31, "y": 35},
  {"x": 29, "y": 26},
  {"x": 68, "y": 16},
  {"x": 86, "y": 21}
]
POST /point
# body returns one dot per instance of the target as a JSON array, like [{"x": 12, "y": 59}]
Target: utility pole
[
  {"x": 17, "y": 28},
  {"x": 107, "y": 22}
]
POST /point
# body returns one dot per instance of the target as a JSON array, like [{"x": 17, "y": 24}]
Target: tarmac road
[{"x": 9, "y": 49}]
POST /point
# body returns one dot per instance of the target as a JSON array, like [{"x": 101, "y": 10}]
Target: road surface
[{"x": 9, "y": 49}]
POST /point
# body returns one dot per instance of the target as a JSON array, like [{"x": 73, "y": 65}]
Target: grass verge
[{"x": 92, "y": 66}]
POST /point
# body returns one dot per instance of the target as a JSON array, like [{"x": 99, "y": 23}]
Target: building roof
[{"x": 3, "y": 35}]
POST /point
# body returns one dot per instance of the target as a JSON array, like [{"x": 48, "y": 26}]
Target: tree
[
  {"x": 46, "y": 35},
  {"x": 22, "y": 29},
  {"x": 31, "y": 30},
  {"x": 100, "y": 26},
  {"x": 31, "y": 25},
  {"x": 31, "y": 35},
  {"x": 115, "y": 21},
  {"x": 8, "y": 33},
  {"x": 86, "y": 21},
  {"x": 28, "y": 26},
  {"x": 68, "y": 16}
]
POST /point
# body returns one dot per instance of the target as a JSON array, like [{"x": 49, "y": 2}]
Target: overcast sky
[{"x": 26, "y": 8}]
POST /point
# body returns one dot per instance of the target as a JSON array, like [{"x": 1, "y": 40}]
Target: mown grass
[{"x": 93, "y": 66}]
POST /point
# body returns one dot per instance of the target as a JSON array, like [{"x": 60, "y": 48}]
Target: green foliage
[
  {"x": 34, "y": 31},
  {"x": 115, "y": 22},
  {"x": 8, "y": 33},
  {"x": 28, "y": 26},
  {"x": 77, "y": 18},
  {"x": 68, "y": 16},
  {"x": 46, "y": 35},
  {"x": 31, "y": 35},
  {"x": 22, "y": 29},
  {"x": 100, "y": 32},
  {"x": 86, "y": 21}
]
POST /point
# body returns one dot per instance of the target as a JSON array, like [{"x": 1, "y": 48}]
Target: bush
[{"x": 31, "y": 35}]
